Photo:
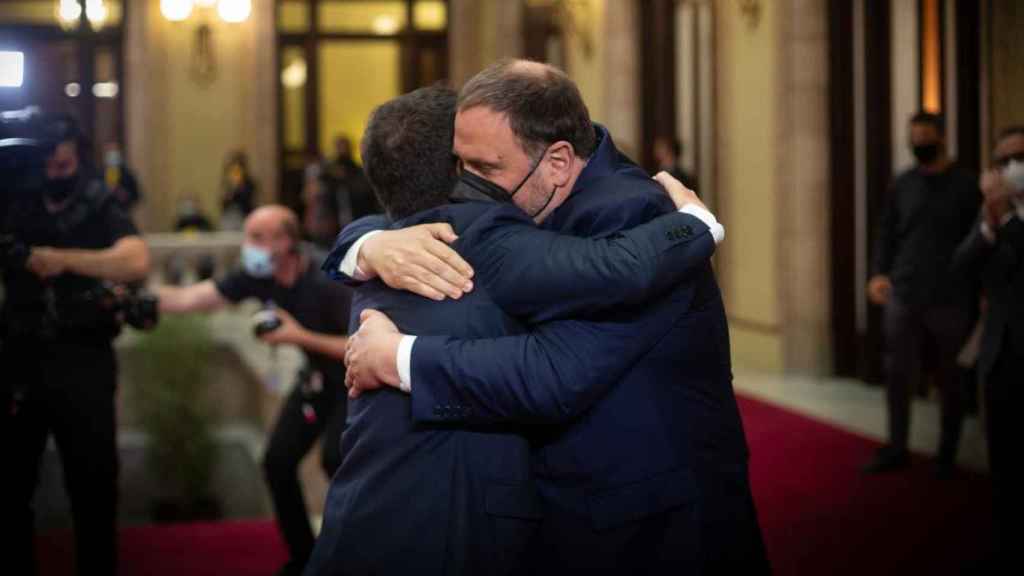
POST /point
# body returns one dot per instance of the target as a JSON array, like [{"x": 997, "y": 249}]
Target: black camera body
[{"x": 135, "y": 307}]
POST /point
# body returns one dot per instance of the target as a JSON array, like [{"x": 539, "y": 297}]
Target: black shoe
[{"x": 887, "y": 459}]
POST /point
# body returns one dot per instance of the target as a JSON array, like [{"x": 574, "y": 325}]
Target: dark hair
[
  {"x": 1015, "y": 130},
  {"x": 934, "y": 120},
  {"x": 407, "y": 151},
  {"x": 542, "y": 104}
]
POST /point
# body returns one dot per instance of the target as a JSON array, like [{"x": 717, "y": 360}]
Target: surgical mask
[
  {"x": 257, "y": 262},
  {"x": 926, "y": 153},
  {"x": 59, "y": 189},
  {"x": 1013, "y": 175}
]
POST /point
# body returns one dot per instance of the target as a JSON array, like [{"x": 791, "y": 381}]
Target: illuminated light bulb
[
  {"x": 72, "y": 89},
  {"x": 68, "y": 13},
  {"x": 96, "y": 12},
  {"x": 105, "y": 89},
  {"x": 175, "y": 10},
  {"x": 205, "y": 3},
  {"x": 234, "y": 11},
  {"x": 385, "y": 24},
  {"x": 294, "y": 74}
]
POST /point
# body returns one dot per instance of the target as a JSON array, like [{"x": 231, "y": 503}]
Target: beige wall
[
  {"x": 1006, "y": 65},
  {"x": 179, "y": 130},
  {"x": 747, "y": 168}
]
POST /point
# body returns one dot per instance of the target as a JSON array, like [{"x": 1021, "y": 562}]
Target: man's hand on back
[
  {"x": 370, "y": 358},
  {"x": 418, "y": 259},
  {"x": 679, "y": 193}
]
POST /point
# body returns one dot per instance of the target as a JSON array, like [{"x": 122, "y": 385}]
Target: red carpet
[{"x": 818, "y": 514}]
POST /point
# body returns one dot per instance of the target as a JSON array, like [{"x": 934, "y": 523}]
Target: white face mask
[
  {"x": 257, "y": 262},
  {"x": 1013, "y": 175}
]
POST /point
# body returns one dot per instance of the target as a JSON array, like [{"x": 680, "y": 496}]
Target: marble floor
[{"x": 860, "y": 408}]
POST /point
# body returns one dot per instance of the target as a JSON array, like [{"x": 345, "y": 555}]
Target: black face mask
[
  {"x": 472, "y": 186},
  {"x": 60, "y": 189},
  {"x": 926, "y": 153}
]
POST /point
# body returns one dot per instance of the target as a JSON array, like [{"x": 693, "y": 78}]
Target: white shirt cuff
[
  {"x": 404, "y": 361},
  {"x": 350, "y": 263},
  {"x": 717, "y": 230}
]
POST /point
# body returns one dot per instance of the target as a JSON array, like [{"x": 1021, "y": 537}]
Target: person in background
[
  {"x": 321, "y": 215},
  {"x": 354, "y": 197},
  {"x": 929, "y": 209},
  {"x": 119, "y": 178},
  {"x": 994, "y": 253},
  {"x": 666, "y": 153},
  {"x": 239, "y": 191},
  {"x": 59, "y": 366},
  {"x": 313, "y": 313},
  {"x": 191, "y": 218},
  {"x": 190, "y": 221}
]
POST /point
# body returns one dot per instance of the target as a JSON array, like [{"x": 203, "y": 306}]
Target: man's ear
[{"x": 561, "y": 160}]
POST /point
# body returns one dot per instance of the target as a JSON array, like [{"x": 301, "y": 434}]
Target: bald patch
[{"x": 274, "y": 217}]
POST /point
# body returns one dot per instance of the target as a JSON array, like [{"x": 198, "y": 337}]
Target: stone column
[
  {"x": 259, "y": 131},
  {"x": 480, "y": 32},
  {"x": 803, "y": 187},
  {"x": 622, "y": 75}
]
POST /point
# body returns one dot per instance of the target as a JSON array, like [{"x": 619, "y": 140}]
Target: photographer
[
  {"x": 59, "y": 368},
  {"x": 313, "y": 313}
]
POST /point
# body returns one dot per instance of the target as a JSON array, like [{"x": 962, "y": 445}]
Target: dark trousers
[
  {"x": 294, "y": 434},
  {"x": 907, "y": 330},
  {"x": 1002, "y": 406},
  {"x": 67, "y": 389}
]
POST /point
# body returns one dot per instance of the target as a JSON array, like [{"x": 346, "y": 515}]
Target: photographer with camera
[
  {"x": 65, "y": 241},
  {"x": 310, "y": 311}
]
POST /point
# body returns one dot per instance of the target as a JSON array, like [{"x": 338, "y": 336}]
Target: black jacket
[
  {"x": 925, "y": 218},
  {"x": 1000, "y": 268}
]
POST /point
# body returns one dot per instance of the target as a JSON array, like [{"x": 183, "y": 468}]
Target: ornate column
[{"x": 803, "y": 187}]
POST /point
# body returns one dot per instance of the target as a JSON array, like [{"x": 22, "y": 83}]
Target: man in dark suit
[
  {"x": 642, "y": 468},
  {"x": 429, "y": 498},
  {"x": 929, "y": 209},
  {"x": 994, "y": 252}
]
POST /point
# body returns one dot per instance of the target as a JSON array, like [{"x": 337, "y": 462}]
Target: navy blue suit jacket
[
  {"x": 430, "y": 498},
  {"x": 628, "y": 440}
]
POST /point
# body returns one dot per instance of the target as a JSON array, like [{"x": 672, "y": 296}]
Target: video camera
[{"x": 27, "y": 137}]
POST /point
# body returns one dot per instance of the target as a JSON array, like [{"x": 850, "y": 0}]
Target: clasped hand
[{"x": 371, "y": 354}]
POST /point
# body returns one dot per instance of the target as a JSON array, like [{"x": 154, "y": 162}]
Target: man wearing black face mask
[
  {"x": 930, "y": 208},
  {"x": 59, "y": 369}
]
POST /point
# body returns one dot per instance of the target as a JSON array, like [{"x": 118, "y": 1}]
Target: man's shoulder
[
  {"x": 630, "y": 195},
  {"x": 461, "y": 215}
]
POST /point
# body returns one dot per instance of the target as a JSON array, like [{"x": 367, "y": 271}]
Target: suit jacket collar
[{"x": 601, "y": 163}]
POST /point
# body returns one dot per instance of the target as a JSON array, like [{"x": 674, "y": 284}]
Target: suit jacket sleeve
[
  {"x": 970, "y": 256},
  {"x": 557, "y": 371},
  {"x": 539, "y": 275},
  {"x": 548, "y": 376},
  {"x": 348, "y": 236}
]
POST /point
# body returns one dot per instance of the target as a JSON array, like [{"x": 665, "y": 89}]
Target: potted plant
[{"x": 170, "y": 401}]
